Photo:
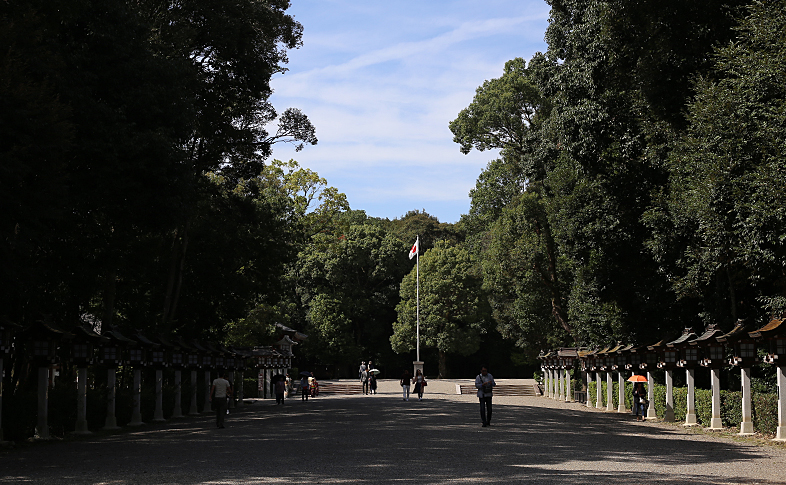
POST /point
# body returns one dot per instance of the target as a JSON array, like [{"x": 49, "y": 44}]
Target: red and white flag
[{"x": 414, "y": 251}]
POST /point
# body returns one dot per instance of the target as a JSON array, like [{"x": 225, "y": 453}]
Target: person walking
[
  {"x": 281, "y": 389},
  {"x": 364, "y": 380},
  {"x": 372, "y": 383},
  {"x": 304, "y": 388},
  {"x": 420, "y": 383},
  {"x": 363, "y": 367},
  {"x": 485, "y": 384},
  {"x": 406, "y": 377},
  {"x": 219, "y": 392},
  {"x": 639, "y": 398}
]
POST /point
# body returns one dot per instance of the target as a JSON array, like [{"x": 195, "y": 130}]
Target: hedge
[{"x": 764, "y": 405}]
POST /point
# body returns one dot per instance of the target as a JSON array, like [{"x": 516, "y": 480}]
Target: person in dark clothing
[{"x": 485, "y": 383}]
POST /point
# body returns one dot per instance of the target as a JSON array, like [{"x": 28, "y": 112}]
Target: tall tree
[
  {"x": 723, "y": 212},
  {"x": 454, "y": 310}
]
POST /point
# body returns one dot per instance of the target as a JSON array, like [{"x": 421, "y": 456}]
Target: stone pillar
[
  {"x": 690, "y": 412},
  {"x": 589, "y": 381},
  {"x": 158, "y": 415},
  {"x": 668, "y": 415},
  {"x": 621, "y": 393},
  {"x": 177, "y": 412},
  {"x": 651, "y": 397},
  {"x": 81, "y": 401},
  {"x": 111, "y": 393},
  {"x": 715, "y": 423},
  {"x": 192, "y": 410},
  {"x": 781, "y": 432},
  {"x": 609, "y": 391},
  {"x": 42, "y": 428},
  {"x": 598, "y": 392},
  {"x": 568, "y": 388},
  {"x": 208, "y": 385},
  {"x": 231, "y": 375},
  {"x": 561, "y": 392},
  {"x": 549, "y": 384},
  {"x": 746, "y": 426},
  {"x": 136, "y": 415}
]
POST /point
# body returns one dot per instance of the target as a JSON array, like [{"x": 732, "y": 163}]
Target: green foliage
[{"x": 454, "y": 311}]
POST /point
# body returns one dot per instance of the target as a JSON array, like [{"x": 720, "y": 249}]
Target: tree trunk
[
  {"x": 443, "y": 365},
  {"x": 110, "y": 287}
]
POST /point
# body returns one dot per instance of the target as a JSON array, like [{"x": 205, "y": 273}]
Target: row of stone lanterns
[
  {"x": 49, "y": 345},
  {"x": 689, "y": 351}
]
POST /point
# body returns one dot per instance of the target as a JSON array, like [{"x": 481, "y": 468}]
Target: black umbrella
[{"x": 305, "y": 373}]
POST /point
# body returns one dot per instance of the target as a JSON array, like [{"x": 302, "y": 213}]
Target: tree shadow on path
[{"x": 382, "y": 438}]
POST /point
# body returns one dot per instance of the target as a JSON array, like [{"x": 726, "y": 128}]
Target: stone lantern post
[
  {"x": 668, "y": 362},
  {"x": 687, "y": 358},
  {"x": 622, "y": 360},
  {"x": 7, "y": 330},
  {"x": 83, "y": 355},
  {"x": 649, "y": 363},
  {"x": 139, "y": 357},
  {"x": 206, "y": 361},
  {"x": 773, "y": 335},
  {"x": 176, "y": 358},
  {"x": 160, "y": 359},
  {"x": 42, "y": 339},
  {"x": 713, "y": 359},
  {"x": 744, "y": 357},
  {"x": 192, "y": 361},
  {"x": 569, "y": 357},
  {"x": 113, "y": 353}
]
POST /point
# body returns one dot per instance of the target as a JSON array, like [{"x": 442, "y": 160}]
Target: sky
[{"x": 381, "y": 81}]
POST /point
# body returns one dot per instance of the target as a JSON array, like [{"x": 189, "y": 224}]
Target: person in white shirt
[
  {"x": 485, "y": 383},
  {"x": 220, "y": 391}
]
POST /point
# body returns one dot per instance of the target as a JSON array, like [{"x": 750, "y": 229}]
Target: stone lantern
[
  {"x": 773, "y": 336},
  {"x": 712, "y": 354},
  {"x": 687, "y": 359},
  {"x": 622, "y": 361},
  {"x": 160, "y": 359},
  {"x": 113, "y": 353},
  {"x": 744, "y": 356},
  {"x": 139, "y": 357},
  {"x": 206, "y": 362},
  {"x": 193, "y": 362},
  {"x": 42, "y": 340},
  {"x": 568, "y": 356},
  {"x": 7, "y": 330},
  {"x": 175, "y": 357},
  {"x": 83, "y": 354}
]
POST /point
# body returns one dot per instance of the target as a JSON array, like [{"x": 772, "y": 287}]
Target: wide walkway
[{"x": 383, "y": 439}]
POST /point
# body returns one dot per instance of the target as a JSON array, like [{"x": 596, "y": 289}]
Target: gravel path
[{"x": 381, "y": 438}]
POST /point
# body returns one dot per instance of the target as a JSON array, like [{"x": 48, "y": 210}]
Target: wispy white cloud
[{"x": 381, "y": 82}]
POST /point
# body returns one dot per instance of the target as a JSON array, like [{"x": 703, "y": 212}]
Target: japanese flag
[{"x": 414, "y": 251}]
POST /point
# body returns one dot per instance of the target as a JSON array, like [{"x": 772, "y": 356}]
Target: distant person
[
  {"x": 485, "y": 384},
  {"x": 364, "y": 380},
  {"x": 406, "y": 377},
  {"x": 313, "y": 387},
  {"x": 219, "y": 392},
  {"x": 372, "y": 383},
  {"x": 281, "y": 389},
  {"x": 639, "y": 400},
  {"x": 304, "y": 388},
  {"x": 289, "y": 386},
  {"x": 420, "y": 383},
  {"x": 363, "y": 367}
]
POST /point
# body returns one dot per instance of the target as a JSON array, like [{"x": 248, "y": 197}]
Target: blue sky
[{"x": 382, "y": 80}]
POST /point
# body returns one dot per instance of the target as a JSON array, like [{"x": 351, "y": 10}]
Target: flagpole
[{"x": 417, "y": 264}]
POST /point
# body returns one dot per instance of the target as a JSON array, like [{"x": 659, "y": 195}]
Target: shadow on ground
[{"x": 382, "y": 438}]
